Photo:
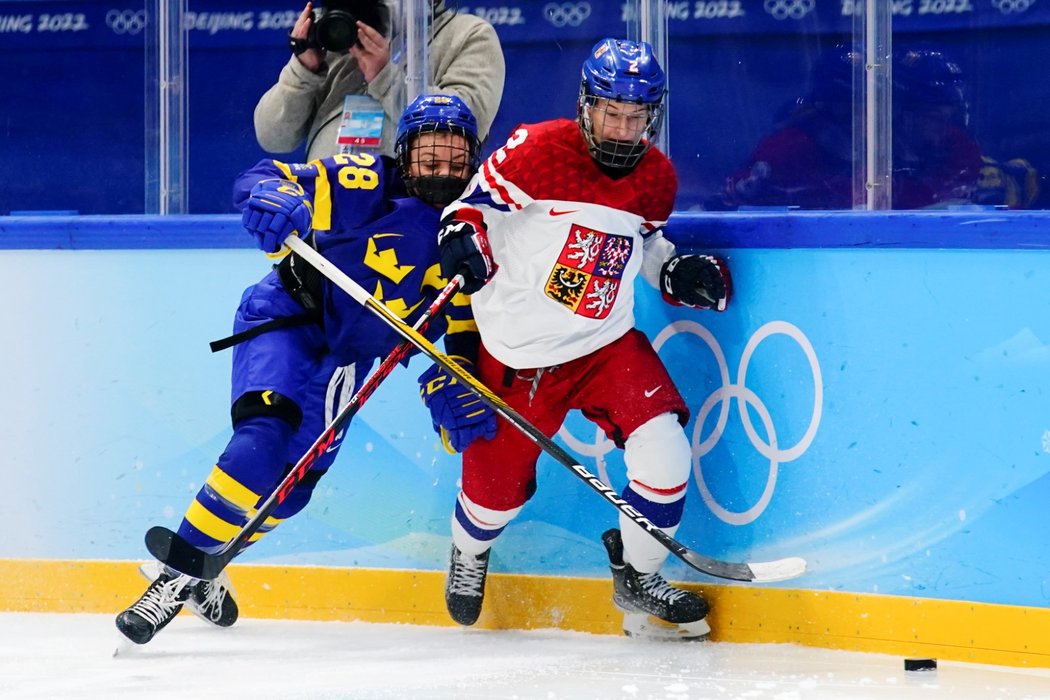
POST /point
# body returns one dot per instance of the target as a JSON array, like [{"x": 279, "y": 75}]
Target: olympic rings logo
[
  {"x": 1008, "y": 7},
  {"x": 730, "y": 391},
  {"x": 746, "y": 397},
  {"x": 789, "y": 9},
  {"x": 126, "y": 21},
  {"x": 567, "y": 14}
]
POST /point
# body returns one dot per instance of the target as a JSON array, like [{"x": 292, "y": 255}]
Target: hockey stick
[
  {"x": 174, "y": 551},
  {"x": 756, "y": 571}
]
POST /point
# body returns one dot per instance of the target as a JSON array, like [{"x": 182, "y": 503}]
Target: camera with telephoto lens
[{"x": 336, "y": 27}]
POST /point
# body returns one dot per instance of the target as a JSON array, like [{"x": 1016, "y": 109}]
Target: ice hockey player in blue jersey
[{"x": 301, "y": 346}]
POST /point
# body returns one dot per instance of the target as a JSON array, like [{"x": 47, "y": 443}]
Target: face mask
[{"x": 435, "y": 190}]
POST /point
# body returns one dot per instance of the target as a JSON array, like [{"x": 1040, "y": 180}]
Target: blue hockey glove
[
  {"x": 465, "y": 249},
  {"x": 459, "y": 416},
  {"x": 276, "y": 209},
  {"x": 700, "y": 281}
]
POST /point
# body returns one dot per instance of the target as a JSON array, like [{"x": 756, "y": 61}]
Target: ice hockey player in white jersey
[{"x": 551, "y": 233}]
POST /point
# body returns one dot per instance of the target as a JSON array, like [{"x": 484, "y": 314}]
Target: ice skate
[
  {"x": 465, "y": 585},
  {"x": 158, "y": 606},
  {"x": 211, "y": 601},
  {"x": 652, "y": 607}
]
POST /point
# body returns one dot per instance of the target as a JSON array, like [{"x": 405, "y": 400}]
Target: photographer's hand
[
  {"x": 372, "y": 51},
  {"x": 311, "y": 58}
]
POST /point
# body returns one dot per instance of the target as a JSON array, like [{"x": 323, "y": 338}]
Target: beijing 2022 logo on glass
[{"x": 731, "y": 391}]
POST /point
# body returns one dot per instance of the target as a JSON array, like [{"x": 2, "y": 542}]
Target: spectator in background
[
  {"x": 308, "y": 102},
  {"x": 809, "y": 161},
  {"x": 936, "y": 160}
]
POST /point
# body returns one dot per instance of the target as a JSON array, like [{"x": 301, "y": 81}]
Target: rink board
[
  {"x": 910, "y": 627},
  {"x": 874, "y": 400}
]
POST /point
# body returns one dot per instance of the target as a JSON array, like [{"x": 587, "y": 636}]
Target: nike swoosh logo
[
  {"x": 555, "y": 212},
  {"x": 650, "y": 392}
]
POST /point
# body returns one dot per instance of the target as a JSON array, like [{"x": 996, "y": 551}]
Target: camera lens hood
[{"x": 336, "y": 30}]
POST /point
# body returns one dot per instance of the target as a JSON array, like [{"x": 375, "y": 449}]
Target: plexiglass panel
[
  {"x": 770, "y": 102},
  {"x": 545, "y": 45},
  {"x": 761, "y": 108},
  {"x": 72, "y": 107},
  {"x": 970, "y": 120},
  {"x": 773, "y": 104}
]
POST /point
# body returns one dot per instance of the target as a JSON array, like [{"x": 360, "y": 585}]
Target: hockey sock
[
  {"x": 475, "y": 528},
  {"x": 248, "y": 469},
  {"x": 658, "y": 456}
]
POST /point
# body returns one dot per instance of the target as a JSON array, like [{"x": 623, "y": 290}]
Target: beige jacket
[{"x": 465, "y": 59}]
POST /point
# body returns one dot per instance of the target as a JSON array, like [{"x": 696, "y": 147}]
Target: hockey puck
[{"x": 920, "y": 664}]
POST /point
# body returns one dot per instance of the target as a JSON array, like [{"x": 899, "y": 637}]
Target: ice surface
[{"x": 71, "y": 657}]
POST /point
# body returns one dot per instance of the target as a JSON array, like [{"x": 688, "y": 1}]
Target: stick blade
[
  {"x": 759, "y": 572},
  {"x": 173, "y": 551},
  {"x": 779, "y": 570}
]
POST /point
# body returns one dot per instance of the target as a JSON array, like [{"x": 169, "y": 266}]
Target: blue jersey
[
  {"x": 365, "y": 224},
  {"x": 302, "y": 346}
]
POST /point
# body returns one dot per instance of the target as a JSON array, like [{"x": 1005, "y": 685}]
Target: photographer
[{"x": 316, "y": 86}]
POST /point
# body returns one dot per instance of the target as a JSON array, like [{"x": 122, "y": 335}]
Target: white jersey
[{"x": 568, "y": 241}]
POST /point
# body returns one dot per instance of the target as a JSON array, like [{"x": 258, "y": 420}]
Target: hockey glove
[
  {"x": 700, "y": 281},
  {"x": 459, "y": 416},
  {"x": 276, "y": 209},
  {"x": 465, "y": 249}
]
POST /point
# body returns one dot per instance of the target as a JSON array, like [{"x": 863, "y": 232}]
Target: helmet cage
[
  {"x": 438, "y": 190},
  {"x": 614, "y": 153},
  {"x": 436, "y": 114},
  {"x": 626, "y": 72}
]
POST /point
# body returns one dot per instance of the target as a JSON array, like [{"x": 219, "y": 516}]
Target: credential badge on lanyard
[{"x": 361, "y": 127}]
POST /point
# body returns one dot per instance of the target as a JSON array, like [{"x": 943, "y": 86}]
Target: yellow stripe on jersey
[
  {"x": 461, "y": 325},
  {"x": 231, "y": 490},
  {"x": 322, "y": 198},
  {"x": 284, "y": 168},
  {"x": 465, "y": 326}
]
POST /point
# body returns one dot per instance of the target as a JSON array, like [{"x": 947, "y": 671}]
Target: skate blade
[
  {"x": 643, "y": 626},
  {"x": 125, "y": 647}
]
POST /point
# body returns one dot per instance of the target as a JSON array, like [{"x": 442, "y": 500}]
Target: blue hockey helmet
[
  {"x": 444, "y": 177},
  {"x": 618, "y": 70},
  {"x": 625, "y": 71}
]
